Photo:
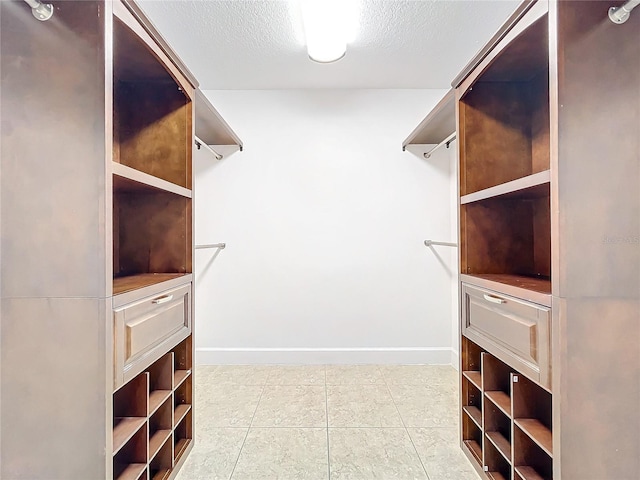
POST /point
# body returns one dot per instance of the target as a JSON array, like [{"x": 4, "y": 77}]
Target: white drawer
[
  {"x": 514, "y": 330},
  {"x": 146, "y": 328}
]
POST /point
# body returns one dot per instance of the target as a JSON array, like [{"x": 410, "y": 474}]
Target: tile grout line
[
  {"x": 326, "y": 406},
  {"x": 405, "y": 427},
  {"x": 249, "y": 428}
]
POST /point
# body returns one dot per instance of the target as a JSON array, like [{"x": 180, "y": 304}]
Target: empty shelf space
[
  {"x": 157, "y": 398},
  {"x": 540, "y": 434},
  {"x": 475, "y": 414},
  {"x": 180, "y": 376},
  {"x": 180, "y": 412},
  {"x": 133, "y": 471},
  {"x": 134, "y": 282},
  {"x": 495, "y": 476},
  {"x": 528, "y": 473},
  {"x": 474, "y": 448},
  {"x": 531, "y": 186},
  {"x": 502, "y": 444},
  {"x": 162, "y": 474},
  {"x": 127, "y": 179},
  {"x": 500, "y": 400},
  {"x": 157, "y": 441},
  {"x": 475, "y": 378},
  {"x": 125, "y": 428},
  {"x": 533, "y": 289},
  {"x": 181, "y": 447}
]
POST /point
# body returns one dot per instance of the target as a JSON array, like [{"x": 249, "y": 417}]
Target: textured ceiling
[{"x": 257, "y": 44}]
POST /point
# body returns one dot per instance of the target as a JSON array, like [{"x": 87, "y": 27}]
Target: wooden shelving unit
[
  {"x": 97, "y": 247},
  {"x": 439, "y": 124},
  {"x": 503, "y": 412},
  {"x": 153, "y": 430}
]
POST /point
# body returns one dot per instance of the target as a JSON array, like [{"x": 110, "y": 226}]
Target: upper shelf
[
  {"x": 437, "y": 125},
  {"x": 210, "y": 126},
  {"x": 531, "y": 186}
]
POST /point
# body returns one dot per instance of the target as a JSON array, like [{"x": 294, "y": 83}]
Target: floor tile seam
[
  {"x": 407, "y": 432},
  {"x": 326, "y": 407},
  {"x": 235, "y": 465}
]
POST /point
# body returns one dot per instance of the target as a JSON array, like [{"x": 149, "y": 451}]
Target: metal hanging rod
[
  {"x": 621, "y": 14},
  {"x": 212, "y": 245},
  {"x": 200, "y": 143},
  {"x": 446, "y": 142},
  {"x": 428, "y": 243}
]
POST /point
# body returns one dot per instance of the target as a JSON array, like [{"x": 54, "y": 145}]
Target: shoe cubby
[
  {"x": 160, "y": 427},
  {"x": 183, "y": 435},
  {"x": 183, "y": 362},
  {"x": 472, "y": 438},
  {"x": 496, "y": 381},
  {"x": 153, "y": 420},
  {"x": 160, "y": 382},
  {"x": 162, "y": 463},
  {"x": 130, "y": 461},
  {"x": 130, "y": 410},
  {"x": 506, "y": 418},
  {"x": 531, "y": 462},
  {"x": 532, "y": 412},
  {"x": 496, "y": 467}
]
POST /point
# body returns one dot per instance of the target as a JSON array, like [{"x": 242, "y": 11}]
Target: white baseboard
[
  {"x": 319, "y": 356},
  {"x": 455, "y": 359}
]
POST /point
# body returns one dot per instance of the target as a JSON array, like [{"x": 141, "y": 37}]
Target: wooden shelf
[
  {"x": 500, "y": 400},
  {"x": 133, "y": 471},
  {"x": 501, "y": 443},
  {"x": 157, "y": 398},
  {"x": 130, "y": 180},
  {"x": 528, "y": 473},
  {"x": 437, "y": 125},
  {"x": 475, "y": 378},
  {"x": 474, "y": 448},
  {"x": 180, "y": 412},
  {"x": 180, "y": 376},
  {"x": 535, "y": 430},
  {"x": 134, "y": 282},
  {"x": 181, "y": 447},
  {"x": 532, "y": 289},
  {"x": 157, "y": 441},
  {"x": 124, "y": 429},
  {"x": 475, "y": 414},
  {"x": 210, "y": 127},
  {"x": 531, "y": 186}
]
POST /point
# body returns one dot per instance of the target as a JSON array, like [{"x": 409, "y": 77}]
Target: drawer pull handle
[
  {"x": 492, "y": 299},
  {"x": 161, "y": 300}
]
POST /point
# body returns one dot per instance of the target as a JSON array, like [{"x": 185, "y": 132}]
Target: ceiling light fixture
[
  {"x": 325, "y": 28},
  {"x": 42, "y": 11}
]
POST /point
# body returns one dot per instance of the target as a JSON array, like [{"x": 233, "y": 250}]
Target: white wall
[{"x": 324, "y": 218}]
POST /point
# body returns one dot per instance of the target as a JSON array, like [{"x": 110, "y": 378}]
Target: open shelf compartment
[
  {"x": 152, "y": 238},
  {"x": 532, "y": 412},
  {"x": 504, "y": 115},
  {"x": 152, "y": 112}
]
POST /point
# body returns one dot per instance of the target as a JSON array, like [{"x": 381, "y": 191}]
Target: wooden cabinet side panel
[
  {"x": 56, "y": 389},
  {"x": 53, "y": 146},
  {"x": 598, "y": 164}
]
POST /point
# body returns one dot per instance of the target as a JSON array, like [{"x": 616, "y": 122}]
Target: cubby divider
[
  {"x": 153, "y": 417},
  {"x": 508, "y": 414}
]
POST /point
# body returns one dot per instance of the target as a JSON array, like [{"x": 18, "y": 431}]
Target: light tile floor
[{"x": 360, "y": 422}]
